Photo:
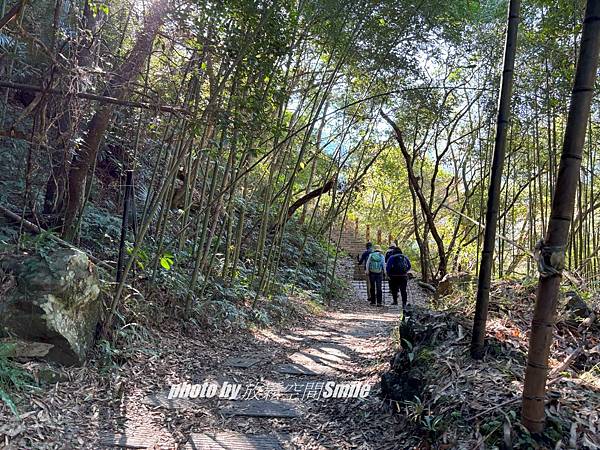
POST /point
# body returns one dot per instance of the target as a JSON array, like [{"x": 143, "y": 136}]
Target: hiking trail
[{"x": 349, "y": 343}]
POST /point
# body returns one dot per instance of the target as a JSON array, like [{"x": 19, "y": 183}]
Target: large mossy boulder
[{"x": 54, "y": 300}]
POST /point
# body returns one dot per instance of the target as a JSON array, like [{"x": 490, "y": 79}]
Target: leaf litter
[{"x": 465, "y": 404}]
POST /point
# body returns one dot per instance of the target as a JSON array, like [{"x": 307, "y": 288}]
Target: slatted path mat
[
  {"x": 323, "y": 360},
  {"x": 294, "y": 338},
  {"x": 236, "y": 441},
  {"x": 295, "y": 369},
  {"x": 242, "y": 363},
  {"x": 261, "y": 408},
  {"x": 162, "y": 400},
  {"x": 282, "y": 377},
  {"x": 138, "y": 438}
]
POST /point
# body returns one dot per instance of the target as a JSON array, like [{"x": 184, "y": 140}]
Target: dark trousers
[
  {"x": 375, "y": 280},
  {"x": 399, "y": 283}
]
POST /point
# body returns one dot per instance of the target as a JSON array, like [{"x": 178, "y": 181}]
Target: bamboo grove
[
  {"x": 448, "y": 131},
  {"x": 206, "y": 130},
  {"x": 229, "y": 117}
]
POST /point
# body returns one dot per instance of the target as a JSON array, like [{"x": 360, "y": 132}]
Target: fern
[
  {"x": 9, "y": 45},
  {"x": 12, "y": 377}
]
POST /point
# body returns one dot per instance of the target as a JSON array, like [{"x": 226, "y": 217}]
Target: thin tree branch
[{"x": 94, "y": 97}]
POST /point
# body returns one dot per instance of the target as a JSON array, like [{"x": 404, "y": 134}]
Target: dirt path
[
  {"x": 281, "y": 377},
  {"x": 281, "y": 402}
]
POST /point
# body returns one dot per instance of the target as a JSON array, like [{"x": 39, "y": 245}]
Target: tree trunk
[
  {"x": 491, "y": 216},
  {"x": 425, "y": 206},
  {"x": 308, "y": 197},
  {"x": 12, "y": 13},
  {"x": 64, "y": 112},
  {"x": 118, "y": 87},
  {"x": 552, "y": 251}
]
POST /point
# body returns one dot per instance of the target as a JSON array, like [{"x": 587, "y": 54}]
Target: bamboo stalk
[
  {"x": 560, "y": 220},
  {"x": 489, "y": 241}
]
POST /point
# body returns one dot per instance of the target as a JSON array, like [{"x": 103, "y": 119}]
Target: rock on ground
[{"x": 55, "y": 301}]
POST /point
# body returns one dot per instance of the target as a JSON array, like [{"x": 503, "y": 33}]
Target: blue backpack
[
  {"x": 398, "y": 264},
  {"x": 376, "y": 262}
]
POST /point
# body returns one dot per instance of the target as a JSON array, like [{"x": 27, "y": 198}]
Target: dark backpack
[{"x": 398, "y": 264}]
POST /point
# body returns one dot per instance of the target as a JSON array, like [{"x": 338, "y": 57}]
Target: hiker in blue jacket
[
  {"x": 362, "y": 260},
  {"x": 375, "y": 270},
  {"x": 397, "y": 268}
]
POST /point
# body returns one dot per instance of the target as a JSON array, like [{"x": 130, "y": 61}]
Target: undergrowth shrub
[{"x": 12, "y": 377}]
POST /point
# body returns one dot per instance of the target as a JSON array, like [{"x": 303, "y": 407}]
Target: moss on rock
[{"x": 55, "y": 301}]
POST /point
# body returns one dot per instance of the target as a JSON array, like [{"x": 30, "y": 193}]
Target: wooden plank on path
[
  {"x": 295, "y": 369},
  {"x": 317, "y": 361},
  {"x": 241, "y": 363},
  {"x": 138, "y": 438},
  {"x": 261, "y": 408},
  {"x": 236, "y": 441},
  {"x": 162, "y": 400}
]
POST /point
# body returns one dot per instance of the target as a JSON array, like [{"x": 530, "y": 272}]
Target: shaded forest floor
[
  {"x": 348, "y": 343},
  {"x": 476, "y": 404},
  {"x": 465, "y": 404}
]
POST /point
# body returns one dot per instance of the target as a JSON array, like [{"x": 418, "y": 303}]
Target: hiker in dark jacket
[
  {"x": 362, "y": 260},
  {"x": 375, "y": 270},
  {"x": 397, "y": 268},
  {"x": 390, "y": 251}
]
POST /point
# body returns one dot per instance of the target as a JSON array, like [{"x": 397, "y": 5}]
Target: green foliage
[
  {"x": 109, "y": 355},
  {"x": 99, "y": 7},
  {"x": 337, "y": 289},
  {"x": 492, "y": 430},
  {"x": 415, "y": 409},
  {"x": 166, "y": 261},
  {"x": 141, "y": 258},
  {"x": 12, "y": 377},
  {"x": 12, "y": 48},
  {"x": 553, "y": 433},
  {"x": 425, "y": 356},
  {"x": 128, "y": 339},
  {"x": 41, "y": 244},
  {"x": 420, "y": 415},
  {"x": 433, "y": 426},
  {"x": 222, "y": 314},
  {"x": 307, "y": 262},
  {"x": 100, "y": 229},
  {"x": 406, "y": 344}
]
